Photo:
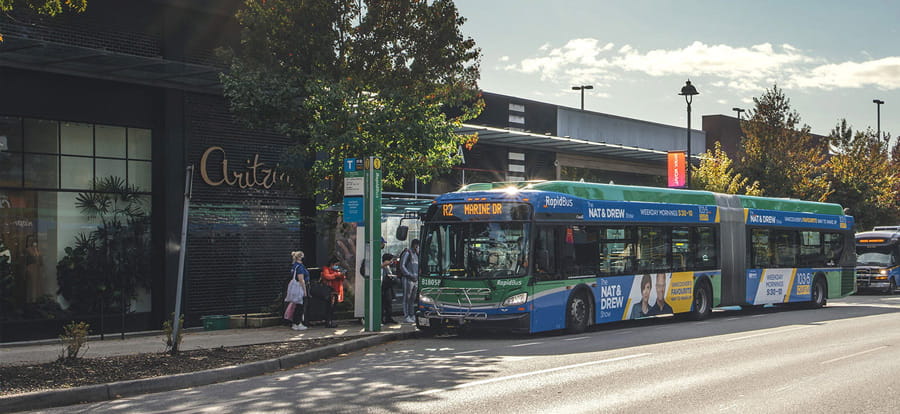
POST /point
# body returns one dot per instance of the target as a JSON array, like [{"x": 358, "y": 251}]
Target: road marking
[
  {"x": 469, "y": 352},
  {"x": 853, "y": 355},
  {"x": 525, "y": 344},
  {"x": 767, "y": 333},
  {"x": 576, "y": 339},
  {"x": 732, "y": 319}
]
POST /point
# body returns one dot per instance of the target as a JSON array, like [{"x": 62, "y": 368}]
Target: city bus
[
  {"x": 878, "y": 259},
  {"x": 559, "y": 255}
]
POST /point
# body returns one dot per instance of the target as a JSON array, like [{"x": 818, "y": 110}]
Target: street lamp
[
  {"x": 582, "y": 88},
  {"x": 739, "y": 112},
  {"x": 688, "y": 91},
  {"x": 878, "y": 103}
]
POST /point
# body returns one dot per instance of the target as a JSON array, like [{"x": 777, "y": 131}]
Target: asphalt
[{"x": 24, "y": 353}]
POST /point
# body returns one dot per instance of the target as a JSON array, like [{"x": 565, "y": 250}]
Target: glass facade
[{"x": 74, "y": 219}]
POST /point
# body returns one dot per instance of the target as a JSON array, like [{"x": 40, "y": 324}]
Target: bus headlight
[
  {"x": 883, "y": 272},
  {"x": 426, "y": 300},
  {"x": 515, "y": 300}
]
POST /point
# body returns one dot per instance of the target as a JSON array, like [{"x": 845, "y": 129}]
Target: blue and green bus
[{"x": 551, "y": 255}]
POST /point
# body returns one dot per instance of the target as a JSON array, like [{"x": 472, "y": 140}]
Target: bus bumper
[{"x": 517, "y": 322}]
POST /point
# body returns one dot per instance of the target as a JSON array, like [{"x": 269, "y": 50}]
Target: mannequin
[{"x": 33, "y": 263}]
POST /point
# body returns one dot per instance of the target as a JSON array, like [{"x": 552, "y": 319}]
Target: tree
[
  {"x": 862, "y": 175},
  {"x": 46, "y": 7},
  {"x": 716, "y": 174},
  {"x": 352, "y": 78},
  {"x": 781, "y": 155}
]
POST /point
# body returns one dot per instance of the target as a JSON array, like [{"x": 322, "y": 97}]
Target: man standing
[
  {"x": 387, "y": 289},
  {"x": 409, "y": 274}
]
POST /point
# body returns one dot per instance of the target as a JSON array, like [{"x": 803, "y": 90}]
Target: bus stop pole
[{"x": 176, "y": 326}]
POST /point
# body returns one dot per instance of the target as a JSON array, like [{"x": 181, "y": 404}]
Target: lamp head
[{"x": 688, "y": 89}]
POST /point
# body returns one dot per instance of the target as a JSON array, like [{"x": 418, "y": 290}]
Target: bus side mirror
[{"x": 402, "y": 232}]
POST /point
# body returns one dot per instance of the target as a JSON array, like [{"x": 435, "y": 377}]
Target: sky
[{"x": 831, "y": 58}]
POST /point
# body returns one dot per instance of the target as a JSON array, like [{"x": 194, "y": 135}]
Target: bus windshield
[
  {"x": 878, "y": 256},
  {"x": 475, "y": 250}
]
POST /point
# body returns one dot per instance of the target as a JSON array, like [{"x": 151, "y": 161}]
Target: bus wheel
[
  {"x": 702, "y": 306},
  {"x": 819, "y": 293},
  {"x": 577, "y": 311}
]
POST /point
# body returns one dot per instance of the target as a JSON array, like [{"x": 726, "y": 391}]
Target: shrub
[
  {"x": 74, "y": 340},
  {"x": 172, "y": 345}
]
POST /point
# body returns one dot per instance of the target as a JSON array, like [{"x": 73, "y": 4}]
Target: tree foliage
[
  {"x": 779, "y": 153},
  {"x": 46, "y": 7},
  {"x": 862, "y": 175},
  {"x": 715, "y": 173},
  {"x": 351, "y": 78}
]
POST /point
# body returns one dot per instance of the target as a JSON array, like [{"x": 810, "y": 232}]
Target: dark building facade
[{"x": 101, "y": 114}]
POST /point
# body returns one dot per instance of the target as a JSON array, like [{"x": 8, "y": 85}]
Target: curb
[{"x": 105, "y": 392}]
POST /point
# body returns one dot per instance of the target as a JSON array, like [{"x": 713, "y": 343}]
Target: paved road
[{"x": 838, "y": 359}]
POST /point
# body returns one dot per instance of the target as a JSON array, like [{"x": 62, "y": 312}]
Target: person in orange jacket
[{"x": 333, "y": 275}]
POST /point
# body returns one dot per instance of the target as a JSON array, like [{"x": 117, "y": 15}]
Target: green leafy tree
[
  {"x": 46, "y": 7},
  {"x": 862, "y": 175},
  {"x": 779, "y": 153},
  {"x": 352, "y": 78},
  {"x": 715, "y": 173}
]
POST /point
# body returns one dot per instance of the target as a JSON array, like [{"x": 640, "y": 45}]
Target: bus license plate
[{"x": 423, "y": 321}]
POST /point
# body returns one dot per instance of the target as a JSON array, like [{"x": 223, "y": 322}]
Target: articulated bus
[{"x": 552, "y": 255}]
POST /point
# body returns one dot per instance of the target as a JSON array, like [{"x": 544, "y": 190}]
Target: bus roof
[{"x": 614, "y": 192}]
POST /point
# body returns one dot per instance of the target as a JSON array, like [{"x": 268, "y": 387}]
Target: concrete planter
[{"x": 254, "y": 320}]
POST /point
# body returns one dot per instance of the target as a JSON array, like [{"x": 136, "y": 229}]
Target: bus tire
[
  {"x": 701, "y": 307},
  {"x": 578, "y": 311},
  {"x": 819, "y": 294}
]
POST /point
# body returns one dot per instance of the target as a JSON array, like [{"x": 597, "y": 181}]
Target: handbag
[
  {"x": 295, "y": 292},
  {"x": 289, "y": 311}
]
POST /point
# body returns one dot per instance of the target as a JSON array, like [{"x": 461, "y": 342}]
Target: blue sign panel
[
  {"x": 350, "y": 164},
  {"x": 792, "y": 219},
  {"x": 649, "y": 212},
  {"x": 353, "y": 209}
]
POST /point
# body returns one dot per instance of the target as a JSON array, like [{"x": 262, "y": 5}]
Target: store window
[{"x": 63, "y": 216}]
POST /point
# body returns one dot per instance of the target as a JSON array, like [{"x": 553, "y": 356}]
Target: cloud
[
  {"x": 881, "y": 73},
  {"x": 587, "y": 60}
]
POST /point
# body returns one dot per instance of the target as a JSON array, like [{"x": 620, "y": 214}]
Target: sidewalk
[{"x": 22, "y": 353}]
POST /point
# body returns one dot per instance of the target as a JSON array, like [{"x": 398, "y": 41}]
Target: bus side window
[
  {"x": 786, "y": 248},
  {"x": 705, "y": 248},
  {"x": 761, "y": 254},
  {"x": 681, "y": 249},
  {"x": 834, "y": 247},
  {"x": 811, "y": 249}
]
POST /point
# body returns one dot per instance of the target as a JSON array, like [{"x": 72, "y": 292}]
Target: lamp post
[
  {"x": 688, "y": 91},
  {"x": 878, "y": 103},
  {"x": 582, "y": 88},
  {"x": 739, "y": 112}
]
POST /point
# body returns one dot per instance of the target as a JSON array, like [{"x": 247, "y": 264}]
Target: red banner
[{"x": 677, "y": 163}]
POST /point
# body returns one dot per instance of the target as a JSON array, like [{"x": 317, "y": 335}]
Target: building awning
[
  {"x": 528, "y": 140},
  {"x": 24, "y": 53}
]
